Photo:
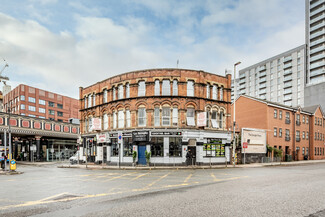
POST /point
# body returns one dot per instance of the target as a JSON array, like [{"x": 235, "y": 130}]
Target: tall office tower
[
  {"x": 315, "y": 40},
  {"x": 278, "y": 79}
]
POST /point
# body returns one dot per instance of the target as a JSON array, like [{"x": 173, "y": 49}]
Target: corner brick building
[
  {"x": 163, "y": 111},
  {"x": 34, "y": 102},
  {"x": 298, "y": 132}
]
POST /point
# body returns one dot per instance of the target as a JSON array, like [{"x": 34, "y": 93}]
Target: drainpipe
[
  {"x": 294, "y": 135},
  {"x": 309, "y": 139}
]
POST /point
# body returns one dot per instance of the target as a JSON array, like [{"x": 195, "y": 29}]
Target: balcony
[
  {"x": 298, "y": 123},
  {"x": 316, "y": 4},
  {"x": 287, "y": 78},
  {"x": 287, "y": 65},
  {"x": 321, "y": 40},
  {"x": 316, "y": 34},
  {"x": 287, "y": 84},
  {"x": 317, "y": 57},
  {"x": 287, "y": 91},
  {"x": 317, "y": 26},
  {"x": 287, "y": 121},
  {"x": 262, "y": 80},
  {"x": 242, "y": 81},
  {"x": 262, "y": 86},
  {"x": 315, "y": 50},
  {"x": 287, "y": 72},
  {"x": 288, "y": 58},
  {"x": 261, "y": 68},
  {"x": 287, "y": 97},
  {"x": 317, "y": 72},
  {"x": 316, "y": 11},
  {"x": 242, "y": 75},
  {"x": 317, "y": 18},
  {"x": 297, "y": 139},
  {"x": 317, "y": 64},
  {"x": 287, "y": 138},
  {"x": 262, "y": 74},
  {"x": 262, "y": 91}
]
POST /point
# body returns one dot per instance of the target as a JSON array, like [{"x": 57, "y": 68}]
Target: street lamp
[
  {"x": 234, "y": 144},
  {"x": 9, "y": 132}
]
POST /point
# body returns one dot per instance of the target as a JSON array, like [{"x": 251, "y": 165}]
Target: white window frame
[
  {"x": 142, "y": 88},
  {"x": 190, "y": 88},
  {"x": 127, "y": 90},
  {"x": 214, "y": 92},
  {"x": 214, "y": 121},
  {"x": 165, "y": 87},
  {"x": 114, "y": 120},
  {"x": 105, "y": 96},
  {"x": 31, "y": 108},
  {"x": 157, "y": 87},
  {"x": 89, "y": 101},
  {"x": 114, "y": 93},
  {"x": 157, "y": 117},
  {"x": 120, "y": 92},
  {"x": 142, "y": 119},
  {"x": 120, "y": 119},
  {"x": 221, "y": 119},
  {"x": 175, "y": 116},
  {"x": 94, "y": 99},
  {"x": 175, "y": 87},
  {"x": 85, "y": 102},
  {"x": 105, "y": 121},
  {"x": 221, "y": 93},
  {"x": 41, "y": 110},
  {"x": 165, "y": 116},
  {"x": 208, "y": 91},
  {"x": 190, "y": 116},
  {"x": 128, "y": 118},
  {"x": 41, "y": 102}
]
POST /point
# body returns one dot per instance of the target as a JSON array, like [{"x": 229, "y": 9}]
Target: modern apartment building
[
  {"x": 279, "y": 79},
  {"x": 315, "y": 40},
  {"x": 34, "y": 102}
]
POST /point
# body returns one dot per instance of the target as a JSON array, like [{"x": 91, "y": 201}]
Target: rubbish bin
[
  {"x": 306, "y": 157},
  {"x": 13, "y": 164},
  {"x": 288, "y": 158}
]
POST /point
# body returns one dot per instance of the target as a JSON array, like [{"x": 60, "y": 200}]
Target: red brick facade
[
  {"x": 131, "y": 101},
  {"x": 297, "y": 131},
  {"x": 30, "y": 101}
]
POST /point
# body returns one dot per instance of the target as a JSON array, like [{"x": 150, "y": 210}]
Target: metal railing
[{"x": 271, "y": 159}]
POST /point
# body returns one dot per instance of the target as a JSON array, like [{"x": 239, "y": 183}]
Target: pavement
[{"x": 65, "y": 164}]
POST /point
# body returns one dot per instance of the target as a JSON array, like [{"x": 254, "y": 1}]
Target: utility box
[{"x": 13, "y": 164}]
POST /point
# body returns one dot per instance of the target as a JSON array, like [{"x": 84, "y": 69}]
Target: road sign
[
  {"x": 119, "y": 137},
  {"x": 244, "y": 144}
]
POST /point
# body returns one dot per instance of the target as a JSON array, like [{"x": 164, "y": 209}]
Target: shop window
[
  {"x": 166, "y": 87},
  {"x": 114, "y": 147},
  {"x": 190, "y": 117},
  {"x": 213, "y": 148},
  {"x": 120, "y": 91},
  {"x": 120, "y": 119},
  {"x": 141, "y": 117},
  {"x": 157, "y": 146},
  {"x": 175, "y": 147},
  {"x": 128, "y": 118},
  {"x": 105, "y": 121},
  {"x": 175, "y": 116},
  {"x": 175, "y": 88},
  {"x": 142, "y": 88},
  {"x": 157, "y": 87},
  {"x": 105, "y": 96},
  {"x": 190, "y": 88},
  {"x": 127, "y": 147},
  {"x": 127, "y": 90},
  {"x": 157, "y": 116},
  {"x": 166, "y": 116}
]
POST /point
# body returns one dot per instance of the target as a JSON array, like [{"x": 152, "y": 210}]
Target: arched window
[
  {"x": 105, "y": 121},
  {"x": 214, "y": 120},
  {"x": 166, "y": 116},
  {"x": 157, "y": 88},
  {"x": 128, "y": 118},
  {"x": 127, "y": 90},
  {"x": 190, "y": 117},
  {"x": 175, "y": 88},
  {"x": 166, "y": 87},
  {"x": 120, "y": 91},
  {"x": 142, "y": 117},
  {"x": 121, "y": 119},
  {"x": 175, "y": 116},
  {"x": 208, "y": 117},
  {"x": 105, "y": 96},
  {"x": 157, "y": 117},
  {"x": 90, "y": 124},
  {"x": 114, "y": 120},
  {"x": 221, "y": 119},
  {"x": 142, "y": 88}
]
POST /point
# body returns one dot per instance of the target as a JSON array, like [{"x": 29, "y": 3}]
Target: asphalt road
[{"x": 266, "y": 191}]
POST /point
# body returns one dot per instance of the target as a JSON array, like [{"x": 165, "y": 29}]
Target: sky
[{"x": 61, "y": 45}]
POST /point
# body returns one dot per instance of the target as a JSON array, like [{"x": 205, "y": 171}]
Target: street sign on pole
[
  {"x": 119, "y": 136},
  {"x": 244, "y": 147},
  {"x": 245, "y": 144}
]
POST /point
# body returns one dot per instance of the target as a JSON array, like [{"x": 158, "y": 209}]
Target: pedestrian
[{"x": 188, "y": 157}]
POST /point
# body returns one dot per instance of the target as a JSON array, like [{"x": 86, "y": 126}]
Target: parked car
[{"x": 74, "y": 159}]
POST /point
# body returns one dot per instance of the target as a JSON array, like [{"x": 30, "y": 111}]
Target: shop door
[
  {"x": 105, "y": 154},
  {"x": 193, "y": 155},
  {"x": 141, "y": 155}
]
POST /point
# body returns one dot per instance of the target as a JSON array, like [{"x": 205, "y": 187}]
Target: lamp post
[
  {"x": 9, "y": 132},
  {"x": 234, "y": 144}
]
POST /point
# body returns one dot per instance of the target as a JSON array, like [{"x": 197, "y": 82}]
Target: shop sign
[
  {"x": 201, "y": 119},
  {"x": 96, "y": 124},
  {"x": 166, "y": 133},
  {"x": 102, "y": 138},
  {"x": 127, "y": 134},
  {"x": 140, "y": 136},
  {"x": 254, "y": 139}
]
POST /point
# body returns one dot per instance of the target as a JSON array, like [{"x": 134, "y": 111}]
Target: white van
[{"x": 78, "y": 156}]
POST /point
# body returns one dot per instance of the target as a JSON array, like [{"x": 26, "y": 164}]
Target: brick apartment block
[{"x": 297, "y": 131}]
